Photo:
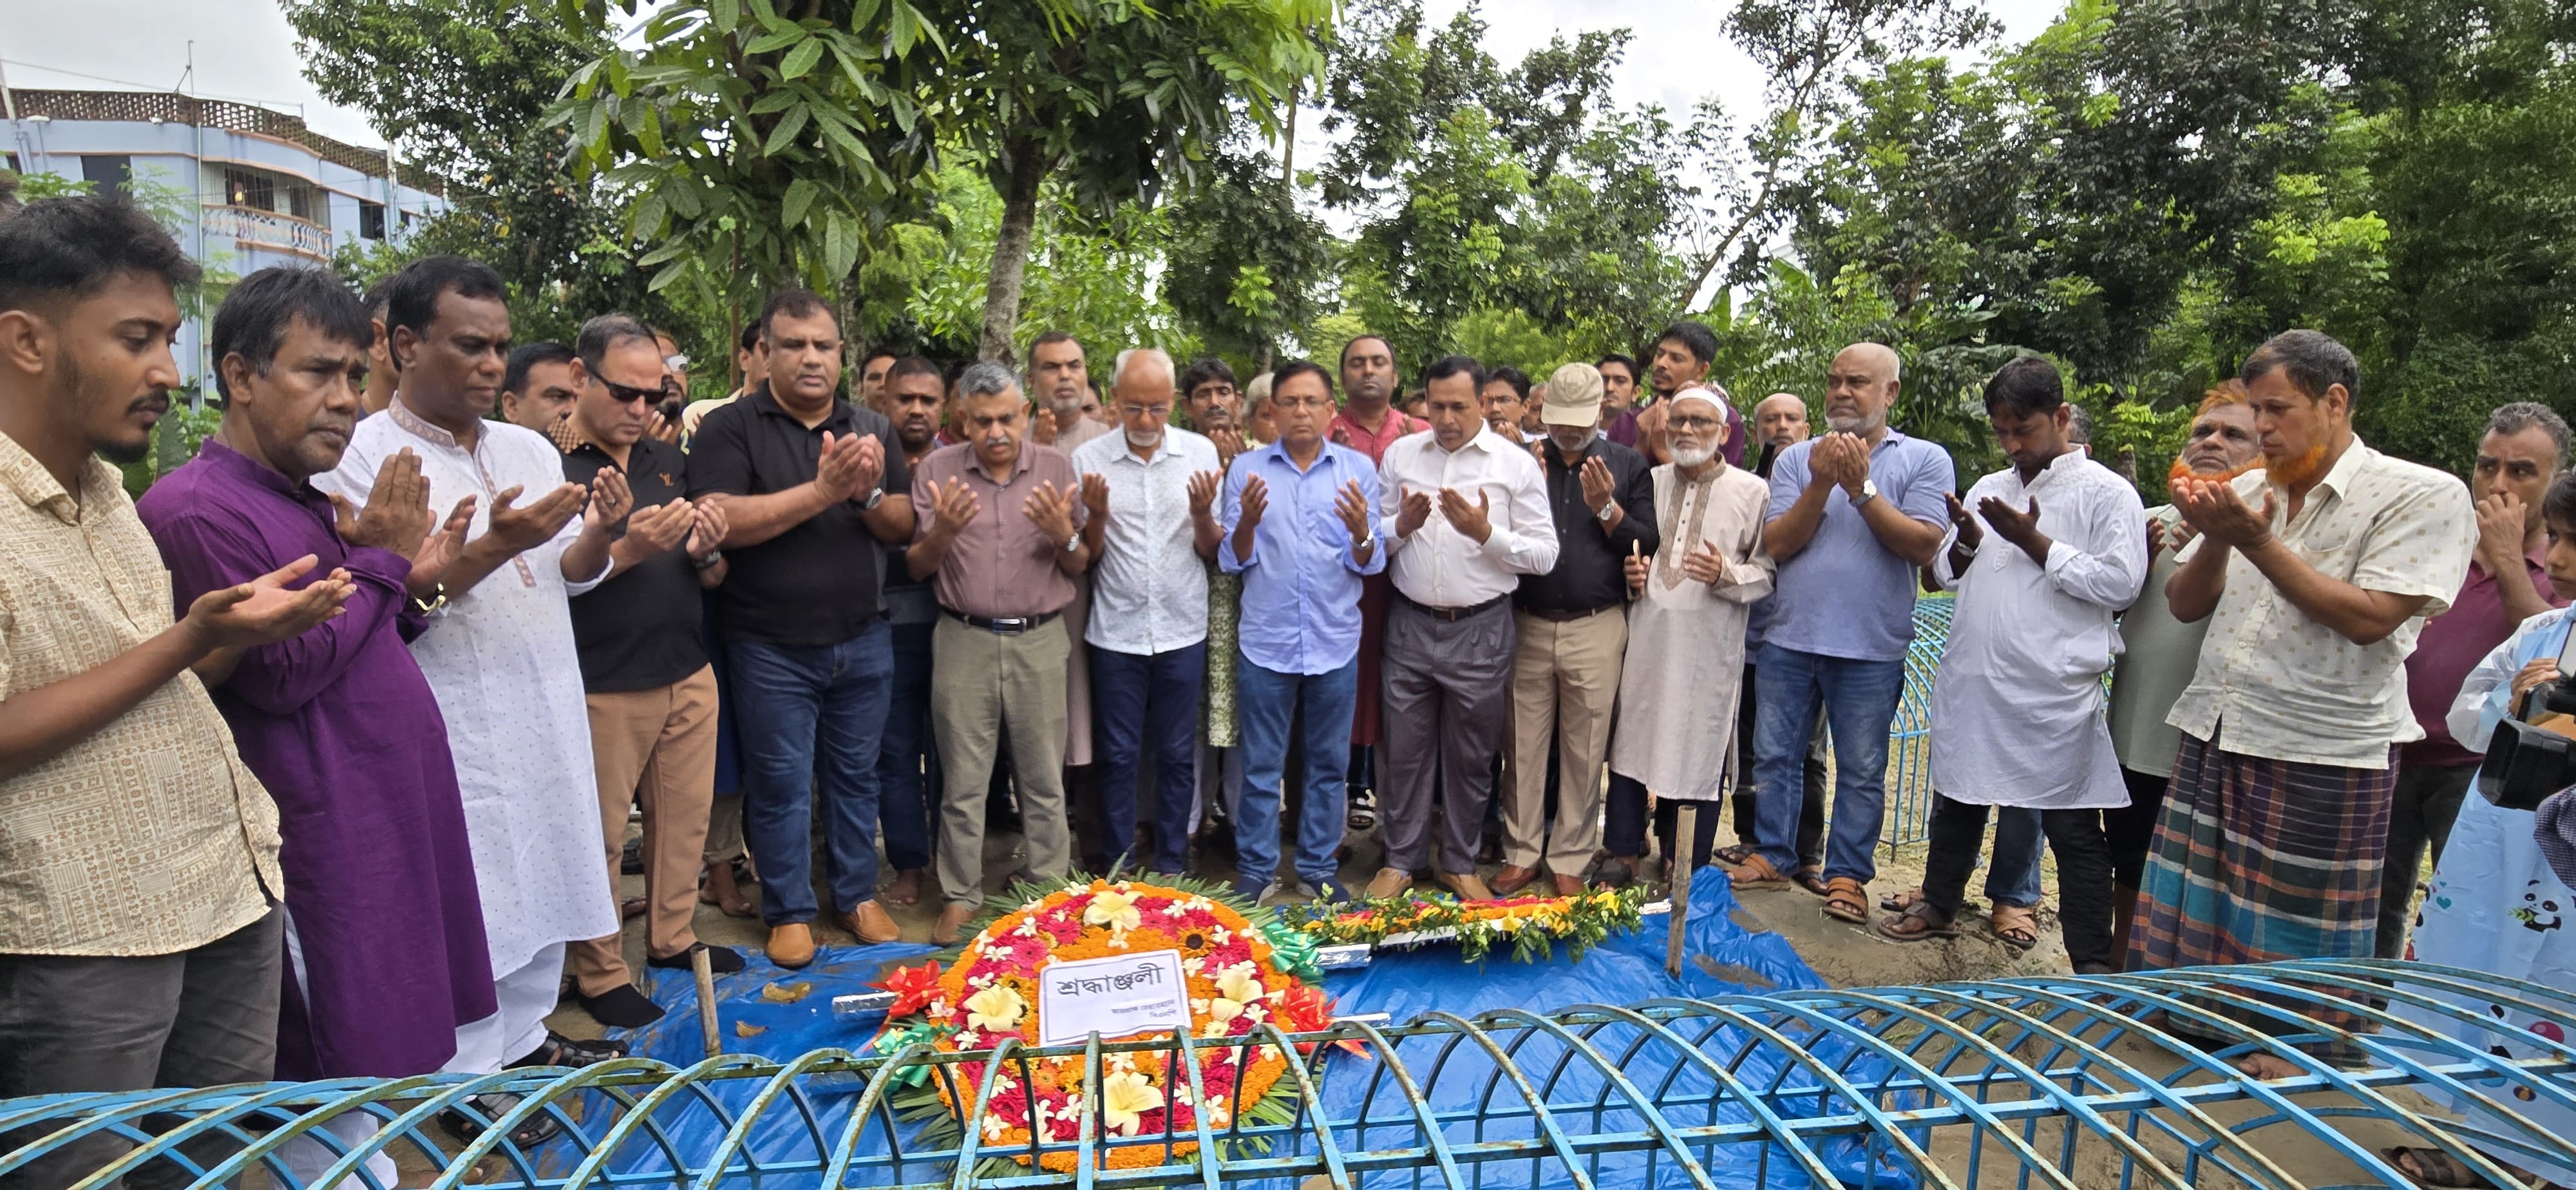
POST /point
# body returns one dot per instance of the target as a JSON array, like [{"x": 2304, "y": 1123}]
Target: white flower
[
  {"x": 966, "y": 1039},
  {"x": 1125, "y": 1097},
  {"x": 1220, "y": 934},
  {"x": 994, "y": 1127},
  {"x": 940, "y": 1011},
  {"x": 996, "y": 1008},
  {"x": 1114, "y": 909},
  {"x": 1193, "y": 965},
  {"x": 1028, "y": 927},
  {"x": 1221, "y": 1010},
  {"x": 1240, "y": 983}
]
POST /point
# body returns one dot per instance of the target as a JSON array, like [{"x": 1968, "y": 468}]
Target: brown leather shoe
[
  {"x": 791, "y": 945},
  {"x": 870, "y": 923},
  {"x": 1467, "y": 885},
  {"x": 1513, "y": 879},
  {"x": 1566, "y": 886},
  {"x": 1389, "y": 882},
  {"x": 952, "y": 923}
]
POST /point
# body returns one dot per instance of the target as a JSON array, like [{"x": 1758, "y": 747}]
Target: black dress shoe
[
  {"x": 622, "y": 1007},
  {"x": 722, "y": 960},
  {"x": 559, "y": 1050}
]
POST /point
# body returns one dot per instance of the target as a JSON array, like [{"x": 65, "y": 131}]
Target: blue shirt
[
  {"x": 1301, "y": 587},
  {"x": 1846, "y": 595}
]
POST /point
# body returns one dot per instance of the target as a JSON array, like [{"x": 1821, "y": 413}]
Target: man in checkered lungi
[{"x": 2315, "y": 573}]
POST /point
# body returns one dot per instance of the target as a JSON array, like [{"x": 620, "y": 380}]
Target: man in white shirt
[
  {"x": 1470, "y": 517},
  {"x": 2043, "y": 554},
  {"x": 499, "y": 650},
  {"x": 2315, "y": 575},
  {"x": 1151, "y": 490}
]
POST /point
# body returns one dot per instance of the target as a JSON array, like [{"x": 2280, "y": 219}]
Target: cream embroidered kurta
[
  {"x": 501, "y": 660},
  {"x": 1685, "y": 663},
  {"x": 2017, "y": 706}
]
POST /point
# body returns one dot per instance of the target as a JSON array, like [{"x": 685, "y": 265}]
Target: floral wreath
[
  {"x": 1244, "y": 969},
  {"x": 1531, "y": 925}
]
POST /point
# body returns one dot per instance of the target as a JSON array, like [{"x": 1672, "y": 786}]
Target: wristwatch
[
  {"x": 1608, "y": 511},
  {"x": 1365, "y": 544},
  {"x": 1074, "y": 542},
  {"x": 1868, "y": 492},
  {"x": 875, "y": 498},
  {"x": 713, "y": 556}
]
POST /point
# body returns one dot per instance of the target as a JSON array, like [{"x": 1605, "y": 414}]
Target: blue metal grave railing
[
  {"x": 1909, "y": 738},
  {"x": 2059, "y": 1082}
]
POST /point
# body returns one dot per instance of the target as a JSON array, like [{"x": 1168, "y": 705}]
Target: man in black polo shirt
[
  {"x": 644, "y": 673},
  {"x": 1573, "y": 633},
  {"x": 810, "y": 491}
]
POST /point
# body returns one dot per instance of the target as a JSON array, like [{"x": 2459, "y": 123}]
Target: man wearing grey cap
[{"x": 1573, "y": 623}]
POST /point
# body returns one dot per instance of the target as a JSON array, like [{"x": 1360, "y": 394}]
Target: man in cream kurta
[{"x": 1685, "y": 663}]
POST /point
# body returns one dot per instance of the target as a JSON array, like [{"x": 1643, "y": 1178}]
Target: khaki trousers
[
  {"x": 987, "y": 684},
  {"x": 657, "y": 747},
  {"x": 1565, "y": 679}
]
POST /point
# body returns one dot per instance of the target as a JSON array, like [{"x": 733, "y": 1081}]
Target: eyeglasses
[
  {"x": 1299, "y": 402},
  {"x": 1157, "y": 412},
  {"x": 628, "y": 394},
  {"x": 1694, "y": 423},
  {"x": 676, "y": 362}
]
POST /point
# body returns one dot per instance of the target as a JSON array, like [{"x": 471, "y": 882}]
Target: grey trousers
[
  {"x": 196, "y": 1018},
  {"x": 985, "y": 685},
  {"x": 1447, "y": 700}
]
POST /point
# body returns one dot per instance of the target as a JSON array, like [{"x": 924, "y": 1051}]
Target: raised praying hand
[
  {"x": 397, "y": 515},
  {"x": 2212, "y": 507},
  {"x": 1203, "y": 489},
  {"x": 1707, "y": 564},
  {"x": 1353, "y": 505},
  {"x": 518, "y": 529},
  {"x": 1474, "y": 520},
  {"x": 952, "y": 507},
  {"x": 1050, "y": 508},
  {"x": 263, "y": 611}
]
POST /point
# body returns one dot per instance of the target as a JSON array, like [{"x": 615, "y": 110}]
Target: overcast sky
[{"x": 244, "y": 50}]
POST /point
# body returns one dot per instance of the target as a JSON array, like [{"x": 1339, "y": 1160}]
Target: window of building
[
  {"x": 108, "y": 174},
  {"x": 371, "y": 220},
  {"x": 245, "y": 188},
  {"x": 299, "y": 203}
]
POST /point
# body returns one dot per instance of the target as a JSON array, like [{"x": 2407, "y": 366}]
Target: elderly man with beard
[
  {"x": 1150, "y": 494},
  {"x": 1853, "y": 515},
  {"x": 1686, "y": 630},
  {"x": 1573, "y": 627},
  {"x": 2315, "y": 577},
  {"x": 2157, "y": 654},
  {"x": 908, "y": 776}
]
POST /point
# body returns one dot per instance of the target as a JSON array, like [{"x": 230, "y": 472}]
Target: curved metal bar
[
  {"x": 1545, "y": 1120},
  {"x": 1611, "y": 1075}
]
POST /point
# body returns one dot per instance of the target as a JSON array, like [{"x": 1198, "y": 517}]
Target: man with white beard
[
  {"x": 1151, "y": 494},
  {"x": 1686, "y": 627}
]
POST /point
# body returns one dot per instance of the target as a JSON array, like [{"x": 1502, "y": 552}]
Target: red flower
[
  {"x": 1305, "y": 1008},
  {"x": 913, "y": 988}
]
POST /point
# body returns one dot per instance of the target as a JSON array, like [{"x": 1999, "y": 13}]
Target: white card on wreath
[{"x": 1114, "y": 996}]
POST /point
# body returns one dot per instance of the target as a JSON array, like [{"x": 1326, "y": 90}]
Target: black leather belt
[
  {"x": 1453, "y": 614},
  {"x": 1003, "y": 625},
  {"x": 1554, "y": 616}
]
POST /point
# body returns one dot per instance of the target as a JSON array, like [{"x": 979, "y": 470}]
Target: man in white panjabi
[
  {"x": 2044, "y": 554},
  {"x": 1685, "y": 663},
  {"x": 499, "y": 650}
]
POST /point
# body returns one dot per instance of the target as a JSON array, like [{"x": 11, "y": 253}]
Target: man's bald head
[
  {"x": 1141, "y": 392},
  {"x": 1859, "y": 389},
  {"x": 1780, "y": 420}
]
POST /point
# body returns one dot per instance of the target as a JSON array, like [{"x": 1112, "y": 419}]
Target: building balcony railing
[{"x": 255, "y": 228}]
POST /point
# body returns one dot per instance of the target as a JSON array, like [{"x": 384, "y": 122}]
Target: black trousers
[
  {"x": 2131, "y": 829},
  {"x": 2426, "y": 803},
  {"x": 2083, "y": 872}
]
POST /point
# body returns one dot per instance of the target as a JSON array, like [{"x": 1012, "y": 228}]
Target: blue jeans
[
  {"x": 907, "y": 764},
  {"x": 797, "y": 702},
  {"x": 2012, "y": 874},
  {"x": 1141, "y": 700},
  {"x": 1269, "y": 701},
  {"x": 1859, "y": 701}
]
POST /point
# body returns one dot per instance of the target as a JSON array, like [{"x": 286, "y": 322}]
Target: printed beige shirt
[
  {"x": 149, "y": 837},
  {"x": 2276, "y": 684}
]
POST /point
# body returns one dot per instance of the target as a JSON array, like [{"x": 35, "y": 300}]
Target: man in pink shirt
[{"x": 1369, "y": 422}]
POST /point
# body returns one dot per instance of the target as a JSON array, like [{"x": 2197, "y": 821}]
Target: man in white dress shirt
[
  {"x": 1470, "y": 517},
  {"x": 1151, "y": 491},
  {"x": 2044, "y": 554},
  {"x": 499, "y": 650}
]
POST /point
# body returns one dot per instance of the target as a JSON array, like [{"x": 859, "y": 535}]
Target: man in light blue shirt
[
  {"x": 1854, "y": 515},
  {"x": 1301, "y": 527}
]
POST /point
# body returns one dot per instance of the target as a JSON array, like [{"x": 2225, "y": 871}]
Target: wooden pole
[
  {"x": 1685, "y": 830},
  {"x": 706, "y": 1000}
]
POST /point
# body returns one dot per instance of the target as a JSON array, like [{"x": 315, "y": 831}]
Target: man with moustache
[
  {"x": 908, "y": 775},
  {"x": 999, "y": 528},
  {"x": 537, "y": 390},
  {"x": 1618, "y": 397},
  {"x": 1204, "y": 386},
  {"x": 1059, "y": 384},
  {"x": 1149, "y": 493},
  {"x": 2523, "y": 449},
  {"x": 1369, "y": 422},
  {"x": 2315, "y": 577},
  {"x": 647, "y": 682},
  {"x": 2158, "y": 653},
  {"x": 1681, "y": 359},
  {"x": 1505, "y": 397},
  {"x": 1470, "y": 517},
  {"x": 1854, "y": 514},
  {"x": 811, "y": 494},
  {"x": 873, "y": 369},
  {"x": 140, "y": 943},
  {"x": 499, "y": 651},
  {"x": 1573, "y": 632}
]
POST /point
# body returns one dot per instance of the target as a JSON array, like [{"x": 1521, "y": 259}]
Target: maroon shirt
[{"x": 2451, "y": 645}]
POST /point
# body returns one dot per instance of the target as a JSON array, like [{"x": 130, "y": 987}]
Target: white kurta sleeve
[
  {"x": 2102, "y": 559},
  {"x": 1748, "y": 579},
  {"x": 2483, "y": 700}
]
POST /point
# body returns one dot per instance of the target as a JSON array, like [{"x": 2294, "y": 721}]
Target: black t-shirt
[
  {"x": 639, "y": 630},
  {"x": 816, "y": 583}
]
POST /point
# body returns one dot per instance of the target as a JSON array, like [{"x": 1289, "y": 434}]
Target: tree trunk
[{"x": 1011, "y": 253}]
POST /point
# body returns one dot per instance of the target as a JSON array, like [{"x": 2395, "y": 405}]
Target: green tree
[{"x": 1246, "y": 267}]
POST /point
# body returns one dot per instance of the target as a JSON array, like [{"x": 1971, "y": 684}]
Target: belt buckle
[{"x": 1011, "y": 625}]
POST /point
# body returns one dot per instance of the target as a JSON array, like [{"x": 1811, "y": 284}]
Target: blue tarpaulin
[{"x": 1721, "y": 958}]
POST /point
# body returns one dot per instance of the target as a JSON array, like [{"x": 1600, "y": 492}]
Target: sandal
[
  {"x": 1753, "y": 874},
  {"x": 2434, "y": 1168},
  {"x": 2015, "y": 927},
  {"x": 1810, "y": 879},
  {"x": 1736, "y": 855},
  {"x": 1900, "y": 902},
  {"x": 1847, "y": 901},
  {"x": 531, "y": 1132},
  {"x": 1919, "y": 923}
]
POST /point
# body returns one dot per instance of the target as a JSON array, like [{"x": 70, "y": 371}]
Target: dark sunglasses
[{"x": 628, "y": 395}]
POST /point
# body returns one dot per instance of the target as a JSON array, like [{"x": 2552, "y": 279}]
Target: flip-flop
[{"x": 1933, "y": 925}]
